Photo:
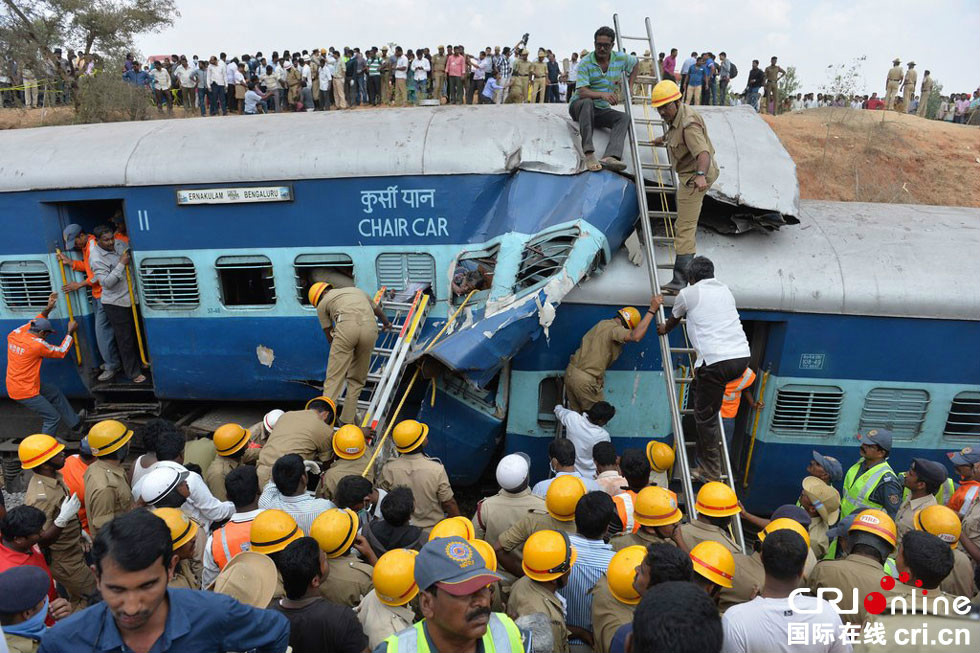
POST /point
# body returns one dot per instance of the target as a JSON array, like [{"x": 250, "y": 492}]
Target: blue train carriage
[
  {"x": 230, "y": 222},
  {"x": 863, "y": 316}
]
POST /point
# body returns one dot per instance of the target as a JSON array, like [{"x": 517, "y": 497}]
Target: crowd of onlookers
[{"x": 956, "y": 108}]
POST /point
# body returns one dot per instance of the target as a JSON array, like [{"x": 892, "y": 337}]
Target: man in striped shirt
[{"x": 598, "y": 86}]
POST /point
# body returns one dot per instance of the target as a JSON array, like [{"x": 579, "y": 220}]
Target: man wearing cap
[
  {"x": 439, "y": 73},
  {"x": 231, "y": 442},
  {"x": 107, "y": 492},
  {"x": 350, "y": 457},
  {"x": 822, "y": 503},
  {"x": 921, "y": 482},
  {"x": 551, "y": 557},
  {"x": 455, "y": 603},
  {"x": 871, "y": 482},
  {"x": 27, "y": 348},
  {"x": 306, "y": 432},
  {"x": 497, "y": 513},
  {"x": 23, "y": 607},
  {"x": 827, "y": 468},
  {"x": 908, "y": 85},
  {"x": 519, "y": 78},
  {"x": 539, "y": 77},
  {"x": 965, "y": 463},
  {"x": 892, "y": 82}
]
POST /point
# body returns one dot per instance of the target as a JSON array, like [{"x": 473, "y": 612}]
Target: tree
[
  {"x": 934, "y": 100},
  {"x": 788, "y": 86}
]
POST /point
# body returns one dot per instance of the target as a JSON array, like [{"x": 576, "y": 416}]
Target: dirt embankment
[{"x": 881, "y": 156}]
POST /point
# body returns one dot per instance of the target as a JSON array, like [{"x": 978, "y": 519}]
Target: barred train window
[
  {"x": 901, "y": 411},
  {"x": 335, "y": 269},
  {"x": 807, "y": 409},
  {"x": 246, "y": 281},
  {"x": 964, "y": 416},
  {"x": 26, "y": 285},
  {"x": 544, "y": 256},
  {"x": 396, "y": 271},
  {"x": 169, "y": 283}
]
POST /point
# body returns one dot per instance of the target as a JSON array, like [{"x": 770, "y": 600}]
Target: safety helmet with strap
[
  {"x": 37, "y": 449},
  {"x": 941, "y": 522},
  {"x": 660, "y": 456},
  {"x": 335, "y": 531},
  {"x": 348, "y": 442},
  {"x": 108, "y": 436},
  {"x": 182, "y": 529},
  {"x": 630, "y": 316},
  {"x": 393, "y": 577},
  {"x": 409, "y": 435},
  {"x": 715, "y": 499},
  {"x": 229, "y": 439},
  {"x": 622, "y": 572},
  {"x": 458, "y": 526},
  {"x": 656, "y": 506},
  {"x": 563, "y": 495},
  {"x": 664, "y": 92},
  {"x": 714, "y": 561},
  {"x": 273, "y": 530},
  {"x": 548, "y": 555}
]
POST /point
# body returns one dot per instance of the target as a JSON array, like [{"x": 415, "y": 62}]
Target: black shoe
[{"x": 82, "y": 416}]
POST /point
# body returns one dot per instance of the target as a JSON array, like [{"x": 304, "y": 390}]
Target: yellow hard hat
[
  {"x": 107, "y": 436},
  {"x": 229, "y": 439},
  {"x": 713, "y": 561},
  {"x": 941, "y": 522},
  {"x": 660, "y": 456},
  {"x": 665, "y": 91},
  {"x": 317, "y": 290},
  {"x": 335, "y": 530},
  {"x": 785, "y": 523},
  {"x": 394, "y": 577},
  {"x": 453, "y": 527},
  {"x": 656, "y": 506},
  {"x": 562, "y": 497},
  {"x": 548, "y": 555},
  {"x": 348, "y": 442},
  {"x": 182, "y": 529},
  {"x": 622, "y": 571},
  {"x": 485, "y": 549},
  {"x": 715, "y": 499},
  {"x": 273, "y": 530},
  {"x": 876, "y": 522},
  {"x": 38, "y": 449},
  {"x": 409, "y": 435},
  {"x": 630, "y": 316}
]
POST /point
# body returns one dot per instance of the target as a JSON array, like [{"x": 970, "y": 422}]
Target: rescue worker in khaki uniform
[
  {"x": 921, "y": 481},
  {"x": 230, "y": 442},
  {"x": 351, "y": 456},
  {"x": 822, "y": 503},
  {"x": 944, "y": 524},
  {"x": 349, "y": 580},
  {"x": 107, "y": 493},
  {"x": 644, "y": 67},
  {"x": 614, "y": 597},
  {"x": 694, "y": 160},
  {"x": 385, "y": 76},
  {"x": 750, "y": 574},
  {"x": 548, "y": 560},
  {"x": 773, "y": 74},
  {"x": 61, "y": 535},
  {"x": 601, "y": 346},
  {"x": 924, "y": 95},
  {"x": 496, "y": 514},
  {"x": 304, "y": 432},
  {"x": 519, "y": 79},
  {"x": 438, "y": 74},
  {"x": 349, "y": 320},
  {"x": 272, "y": 531},
  {"x": 384, "y": 610},
  {"x": 892, "y": 82},
  {"x": 260, "y": 432},
  {"x": 183, "y": 533},
  {"x": 716, "y": 503},
  {"x": 539, "y": 77},
  {"x": 659, "y": 518},
  {"x": 908, "y": 86},
  {"x": 426, "y": 476}
]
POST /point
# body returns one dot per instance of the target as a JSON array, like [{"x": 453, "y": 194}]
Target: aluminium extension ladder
[{"x": 642, "y": 132}]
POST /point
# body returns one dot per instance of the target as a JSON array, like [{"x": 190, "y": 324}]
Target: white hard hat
[
  {"x": 512, "y": 470},
  {"x": 160, "y": 482},
  {"x": 270, "y": 419}
]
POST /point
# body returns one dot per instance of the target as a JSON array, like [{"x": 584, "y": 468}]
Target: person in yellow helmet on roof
[
  {"x": 601, "y": 346},
  {"x": 349, "y": 319}
]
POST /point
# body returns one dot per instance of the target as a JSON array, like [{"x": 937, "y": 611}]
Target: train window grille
[
  {"x": 397, "y": 270},
  {"x": 900, "y": 410},
  {"x": 807, "y": 410},
  {"x": 964, "y": 416},
  {"x": 169, "y": 283},
  {"x": 336, "y": 269},
  {"x": 25, "y": 285},
  {"x": 246, "y": 281},
  {"x": 544, "y": 256}
]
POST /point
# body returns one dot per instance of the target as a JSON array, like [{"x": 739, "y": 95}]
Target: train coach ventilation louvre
[{"x": 663, "y": 190}]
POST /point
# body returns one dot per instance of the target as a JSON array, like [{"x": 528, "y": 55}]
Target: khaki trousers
[
  {"x": 518, "y": 91},
  {"x": 438, "y": 81},
  {"x": 386, "y": 88},
  {"x": 350, "y": 359},
  {"x": 401, "y": 93},
  {"x": 689, "y": 201},
  {"x": 338, "y": 92},
  {"x": 692, "y": 95},
  {"x": 582, "y": 391},
  {"x": 923, "y": 105},
  {"x": 69, "y": 569},
  {"x": 907, "y": 96},
  {"x": 891, "y": 90},
  {"x": 537, "y": 91}
]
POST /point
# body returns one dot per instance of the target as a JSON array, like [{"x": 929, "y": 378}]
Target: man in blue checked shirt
[{"x": 599, "y": 83}]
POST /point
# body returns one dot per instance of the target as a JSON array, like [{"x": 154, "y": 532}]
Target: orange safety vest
[
  {"x": 625, "y": 507},
  {"x": 84, "y": 266},
  {"x": 73, "y": 475},
  {"x": 733, "y": 393},
  {"x": 230, "y": 540}
]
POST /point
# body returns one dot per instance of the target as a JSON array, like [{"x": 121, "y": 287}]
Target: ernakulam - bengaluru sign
[{"x": 234, "y": 195}]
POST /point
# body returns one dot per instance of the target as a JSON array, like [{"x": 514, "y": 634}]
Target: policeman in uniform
[
  {"x": 272, "y": 531},
  {"x": 601, "y": 346},
  {"x": 519, "y": 79},
  {"x": 827, "y": 468},
  {"x": 230, "y": 442},
  {"x": 822, "y": 503},
  {"x": 944, "y": 524},
  {"x": 425, "y": 476},
  {"x": 384, "y": 610},
  {"x": 349, "y": 581},
  {"x": 439, "y": 73},
  {"x": 871, "y": 482},
  {"x": 924, "y": 95},
  {"x": 496, "y": 514},
  {"x": 908, "y": 86},
  {"x": 539, "y": 77},
  {"x": 349, "y": 321},
  {"x": 716, "y": 503},
  {"x": 614, "y": 597},
  {"x": 107, "y": 493},
  {"x": 773, "y": 74},
  {"x": 304, "y": 432},
  {"x": 351, "y": 456},
  {"x": 894, "y": 78},
  {"x": 714, "y": 568},
  {"x": 659, "y": 518},
  {"x": 921, "y": 482},
  {"x": 62, "y": 532},
  {"x": 183, "y": 533},
  {"x": 549, "y": 558}
]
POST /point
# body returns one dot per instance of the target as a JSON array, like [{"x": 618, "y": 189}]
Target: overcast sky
[{"x": 940, "y": 35}]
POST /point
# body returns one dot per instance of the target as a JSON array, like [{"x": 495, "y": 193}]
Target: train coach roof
[{"x": 844, "y": 258}]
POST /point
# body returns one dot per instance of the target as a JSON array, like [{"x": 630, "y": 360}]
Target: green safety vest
[
  {"x": 943, "y": 494},
  {"x": 858, "y": 489},
  {"x": 890, "y": 567},
  {"x": 502, "y": 636}
]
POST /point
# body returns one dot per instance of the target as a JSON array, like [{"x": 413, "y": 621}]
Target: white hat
[
  {"x": 512, "y": 470},
  {"x": 160, "y": 482},
  {"x": 287, "y": 64},
  {"x": 270, "y": 419}
]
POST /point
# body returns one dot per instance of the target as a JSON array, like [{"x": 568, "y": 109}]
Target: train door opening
[{"x": 757, "y": 333}]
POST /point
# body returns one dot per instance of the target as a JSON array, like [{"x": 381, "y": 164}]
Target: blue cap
[
  {"x": 965, "y": 456},
  {"x": 928, "y": 470},
  {"x": 70, "y": 234},
  {"x": 22, "y": 587},
  {"x": 796, "y": 513},
  {"x": 880, "y": 437},
  {"x": 41, "y": 324},
  {"x": 84, "y": 447},
  {"x": 830, "y": 465},
  {"x": 453, "y": 565}
]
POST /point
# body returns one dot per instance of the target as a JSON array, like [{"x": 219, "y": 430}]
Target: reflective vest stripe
[
  {"x": 968, "y": 498},
  {"x": 945, "y": 492},
  {"x": 502, "y": 635},
  {"x": 625, "y": 510},
  {"x": 861, "y": 500},
  {"x": 733, "y": 393},
  {"x": 230, "y": 540}
]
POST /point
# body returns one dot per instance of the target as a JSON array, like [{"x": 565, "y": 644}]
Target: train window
[
  {"x": 474, "y": 270},
  {"x": 899, "y": 410},
  {"x": 26, "y": 285},
  {"x": 335, "y": 269},
  {"x": 807, "y": 409},
  {"x": 544, "y": 256},
  {"x": 964, "y": 416},
  {"x": 246, "y": 281},
  {"x": 549, "y": 396},
  {"x": 395, "y": 271},
  {"x": 169, "y": 283}
]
